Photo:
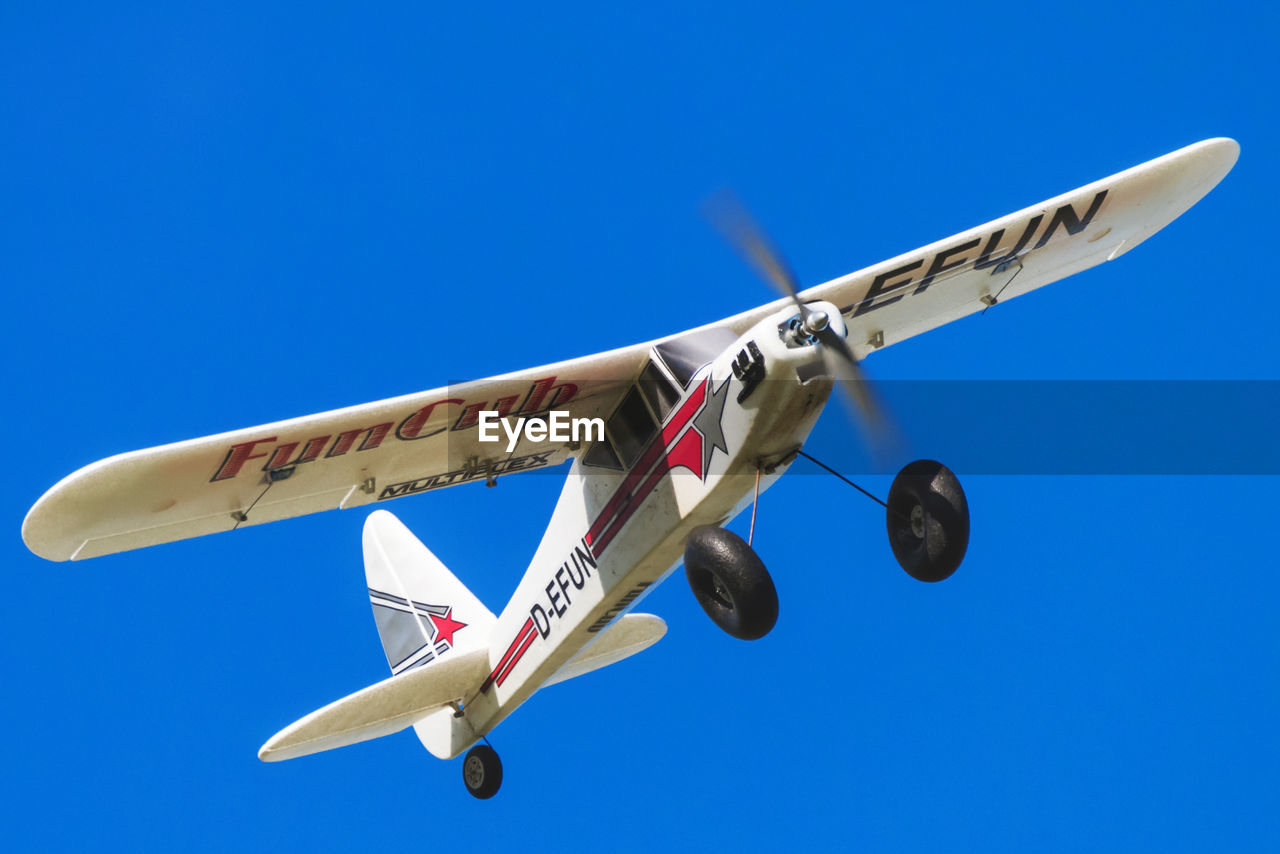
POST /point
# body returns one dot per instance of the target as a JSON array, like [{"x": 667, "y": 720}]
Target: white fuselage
[{"x": 617, "y": 533}]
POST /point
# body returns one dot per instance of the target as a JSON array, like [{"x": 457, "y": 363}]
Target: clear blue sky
[{"x": 232, "y": 213}]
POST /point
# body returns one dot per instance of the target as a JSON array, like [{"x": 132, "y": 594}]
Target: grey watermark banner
[
  {"x": 1069, "y": 427},
  {"x": 1034, "y": 427}
]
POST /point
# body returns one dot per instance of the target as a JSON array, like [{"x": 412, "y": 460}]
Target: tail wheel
[
  {"x": 928, "y": 520},
  {"x": 730, "y": 582},
  {"x": 482, "y": 771}
]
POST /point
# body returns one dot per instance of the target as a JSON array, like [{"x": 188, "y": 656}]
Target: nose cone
[
  {"x": 822, "y": 315},
  {"x": 816, "y": 321}
]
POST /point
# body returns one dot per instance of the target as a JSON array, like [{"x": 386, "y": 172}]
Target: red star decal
[{"x": 446, "y": 626}]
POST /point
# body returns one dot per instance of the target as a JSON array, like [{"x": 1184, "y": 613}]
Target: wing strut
[
  {"x": 992, "y": 300},
  {"x": 243, "y": 515}
]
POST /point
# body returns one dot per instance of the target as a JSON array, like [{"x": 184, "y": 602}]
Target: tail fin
[{"x": 421, "y": 609}]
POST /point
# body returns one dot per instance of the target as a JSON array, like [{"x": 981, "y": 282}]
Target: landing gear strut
[{"x": 482, "y": 771}]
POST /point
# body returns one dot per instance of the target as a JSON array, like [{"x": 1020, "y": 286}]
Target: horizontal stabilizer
[
  {"x": 381, "y": 709},
  {"x": 629, "y": 635}
]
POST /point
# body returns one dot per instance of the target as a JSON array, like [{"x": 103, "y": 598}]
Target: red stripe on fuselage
[
  {"x": 651, "y": 456},
  {"x": 687, "y": 452},
  {"x": 511, "y": 665},
  {"x": 511, "y": 649}
]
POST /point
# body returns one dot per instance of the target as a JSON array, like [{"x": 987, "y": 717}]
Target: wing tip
[
  {"x": 1219, "y": 154},
  {"x": 49, "y": 529},
  {"x": 1178, "y": 181},
  {"x": 1224, "y": 144},
  {"x": 279, "y": 747},
  {"x": 1206, "y": 162},
  {"x": 41, "y": 536}
]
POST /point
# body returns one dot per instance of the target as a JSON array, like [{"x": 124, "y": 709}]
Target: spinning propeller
[{"x": 730, "y": 217}]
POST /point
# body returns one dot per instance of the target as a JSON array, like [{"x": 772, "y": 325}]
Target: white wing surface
[
  {"x": 351, "y": 457},
  {"x": 944, "y": 281},
  {"x": 344, "y": 458}
]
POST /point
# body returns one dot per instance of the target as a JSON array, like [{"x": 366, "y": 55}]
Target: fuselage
[{"x": 683, "y": 449}]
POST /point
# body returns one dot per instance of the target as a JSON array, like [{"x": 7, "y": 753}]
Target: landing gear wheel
[
  {"x": 482, "y": 771},
  {"x": 928, "y": 520},
  {"x": 730, "y": 582}
]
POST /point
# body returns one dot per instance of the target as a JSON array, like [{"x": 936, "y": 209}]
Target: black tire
[
  {"x": 730, "y": 582},
  {"x": 928, "y": 520},
  {"x": 482, "y": 771}
]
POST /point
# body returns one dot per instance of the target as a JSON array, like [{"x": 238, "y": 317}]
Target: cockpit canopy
[{"x": 660, "y": 387}]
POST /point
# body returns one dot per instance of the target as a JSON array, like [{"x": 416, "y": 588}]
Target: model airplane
[{"x": 691, "y": 429}]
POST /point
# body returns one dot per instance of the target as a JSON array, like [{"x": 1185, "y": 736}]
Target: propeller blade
[
  {"x": 729, "y": 216},
  {"x": 859, "y": 396}
]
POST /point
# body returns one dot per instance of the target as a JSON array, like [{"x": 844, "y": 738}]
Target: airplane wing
[
  {"x": 339, "y": 459},
  {"x": 426, "y": 441},
  {"x": 944, "y": 281}
]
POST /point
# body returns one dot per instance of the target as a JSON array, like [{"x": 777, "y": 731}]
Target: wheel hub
[
  {"x": 722, "y": 593},
  {"x": 917, "y": 521},
  {"x": 473, "y": 772}
]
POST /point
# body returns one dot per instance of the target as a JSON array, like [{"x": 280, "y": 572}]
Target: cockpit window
[
  {"x": 684, "y": 355},
  {"x": 601, "y": 455},
  {"x": 658, "y": 390},
  {"x": 635, "y": 421},
  {"x": 631, "y": 427}
]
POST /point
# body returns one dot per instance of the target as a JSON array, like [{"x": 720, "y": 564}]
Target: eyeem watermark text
[{"x": 556, "y": 426}]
